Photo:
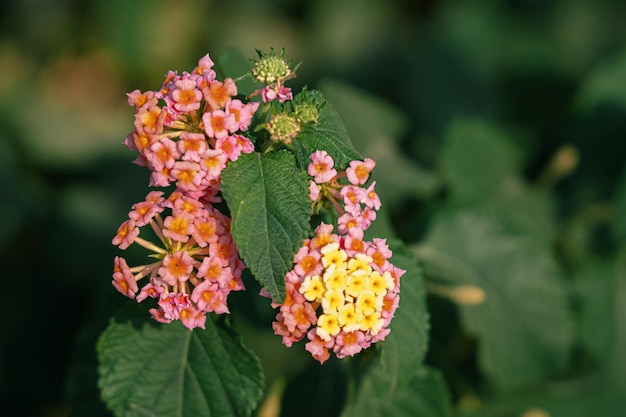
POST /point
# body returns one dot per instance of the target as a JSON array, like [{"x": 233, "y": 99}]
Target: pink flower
[
  {"x": 213, "y": 163},
  {"x": 126, "y": 234},
  {"x": 246, "y": 144},
  {"x": 191, "y": 317},
  {"x": 314, "y": 191},
  {"x": 349, "y": 344},
  {"x": 123, "y": 279},
  {"x": 217, "y": 93},
  {"x": 270, "y": 93},
  {"x": 358, "y": 172},
  {"x": 186, "y": 96},
  {"x": 321, "y": 167},
  {"x": 150, "y": 119},
  {"x": 191, "y": 145},
  {"x": 370, "y": 198},
  {"x": 230, "y": 146},
  {"x": 242, "y": 112},
  {"x": 218, "y": 124},
  {"x": 149, "y": 290},
  {"x": 188, "y": 174},
  {"x": 138, "y": 99},
  {"x": 208, "y": 297},
  {"x": 205, "y": 65},
  {"x": 163, "y": 154},
  {"x": 178, "y": 226},
  {"x": 176, "y": 267}
]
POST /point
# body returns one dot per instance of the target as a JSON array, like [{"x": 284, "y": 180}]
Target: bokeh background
[{"x": 552, "y": 73}]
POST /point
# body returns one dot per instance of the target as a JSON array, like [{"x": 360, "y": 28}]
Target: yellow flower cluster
[{"x": 349, "y": 291}]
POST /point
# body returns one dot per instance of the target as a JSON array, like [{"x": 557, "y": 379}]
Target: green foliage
[
  {"x": 167, "y": 370},
  {"x": 269, "y": 203},
  {"x": 494, "y": 234},
  {"x": 328, "y": 134},
  {"x": 424, "y": 393}
]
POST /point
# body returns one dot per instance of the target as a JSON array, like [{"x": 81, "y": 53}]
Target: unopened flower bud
[
  {"x": 307, "y": 113},
  {"x": 282, "y": 128},
  {"x": 270, "y": 69}
]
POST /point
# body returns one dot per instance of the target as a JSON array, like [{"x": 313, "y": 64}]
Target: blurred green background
[{"x": 549, "y": 73}]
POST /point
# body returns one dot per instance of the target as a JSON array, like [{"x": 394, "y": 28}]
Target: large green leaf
[
  {"x": 150, "y": 369},
  {"x": 328, "y": 134},
  {"x": 424, "y": 394},
  {"x": 523, "y": 326},
  {"x": 405, "y": 346},
  {"x": 269, "y": 202}
]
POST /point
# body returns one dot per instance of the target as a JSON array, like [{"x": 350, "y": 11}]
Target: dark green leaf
[
  {"x": 269, "y": 202},
  {"x": 328, "y": 134},
  {"x": 405, "y": 346},
  {"x": 149, "y": 369},
  {"x": 424, "y": 394},
  {"x": 523, "y": 326}
]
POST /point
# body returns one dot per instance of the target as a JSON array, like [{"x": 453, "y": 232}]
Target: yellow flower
[
  {"x": 333, "y": 255},
  {"x": 327, "y": 326},
  {"x": 359, "y": 265},
  {"x": 367, "y": 303},
  {"x": 373, "y": 323},
  {"x": 356, "y": 284},
  {"x": 349, "y": 319},
  {"x": 332, "y": 301},
  {"x": 312, "y": 288},
  {"x": 335, "y": 278},
  {"x": 380, "y": 284}
]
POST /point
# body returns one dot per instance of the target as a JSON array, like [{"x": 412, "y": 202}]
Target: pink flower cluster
[
  {"x": 186, "y": 133},
  {"x": 196, "y": 264},
  {"x": 189, "y": 129},
  {"x": 355, "y": 204},
  {"x": 342, "y": 291}
]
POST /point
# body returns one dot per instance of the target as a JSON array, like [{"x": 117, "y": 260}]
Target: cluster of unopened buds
[{"x": 342, "y": 291}]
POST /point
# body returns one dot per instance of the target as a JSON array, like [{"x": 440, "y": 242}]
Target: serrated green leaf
[
  {"x": 149, "y": 369},
  {"x": 424, "y": 394},
  {"x": 269, "y": 203},
  {"x": 405, "y": 346},
  {"x": 328, "y": 134},
  {"x": 523, "y": 326}
]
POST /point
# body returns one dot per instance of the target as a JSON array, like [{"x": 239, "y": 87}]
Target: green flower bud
[
  {"x": 282, "y": 128},
  {"x": 270, "y": 69},
  {"x": 307, "y": 113}
]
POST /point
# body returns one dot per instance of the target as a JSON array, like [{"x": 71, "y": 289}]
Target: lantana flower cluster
[
  {"x": 342, "y": 291},
  {"x": 185, "y": 133}
]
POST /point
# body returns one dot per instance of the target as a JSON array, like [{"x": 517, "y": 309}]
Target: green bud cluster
[
  {"x": 283, "y": 128},
  {"x": 270, "y": 69},
  {"x": 307, "y": 113}
]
